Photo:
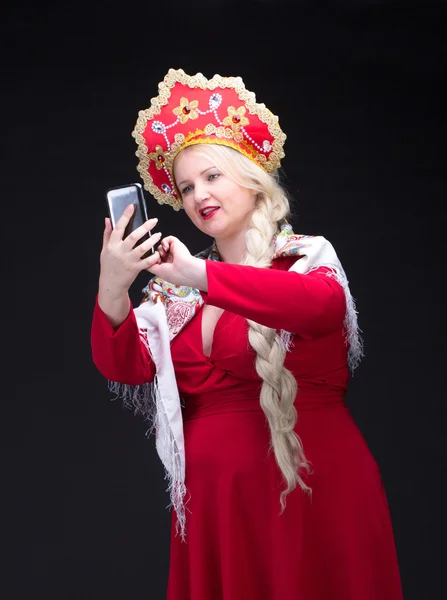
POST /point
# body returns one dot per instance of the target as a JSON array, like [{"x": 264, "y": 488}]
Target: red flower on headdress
[
  {"x": 186, "y": 110},
  {"x": 236, "y": 118},
  {"x": 159, "y": 157}
]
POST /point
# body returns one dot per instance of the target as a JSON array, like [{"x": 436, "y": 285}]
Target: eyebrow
[{"x": 202, "y": 173}]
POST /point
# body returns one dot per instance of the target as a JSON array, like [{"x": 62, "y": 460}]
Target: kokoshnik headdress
[
  {"x": 193, "y": 110},
  {"x": 187, "y": 111}
]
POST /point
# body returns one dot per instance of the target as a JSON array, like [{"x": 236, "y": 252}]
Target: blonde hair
[{"x": 279, "y": 386}]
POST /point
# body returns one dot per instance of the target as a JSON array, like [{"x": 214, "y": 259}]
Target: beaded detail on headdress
[{"x": 193, "y": 110}]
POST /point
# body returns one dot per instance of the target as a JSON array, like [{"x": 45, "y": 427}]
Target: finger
[
  {"x": 167, "y": 242},
  {"x": 139, "y": 232},
  {"x": 123, "y": 221},
  {"x": 141, "y": 249},
  {"x": 107, "y": 232},
  {"x": 148, "y": 263}
]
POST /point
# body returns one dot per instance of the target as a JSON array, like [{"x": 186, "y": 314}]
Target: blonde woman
[{"x": 240, "y": 357}]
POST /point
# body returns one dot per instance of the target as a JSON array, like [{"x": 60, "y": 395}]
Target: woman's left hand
[{"x": 178, "y": 266}]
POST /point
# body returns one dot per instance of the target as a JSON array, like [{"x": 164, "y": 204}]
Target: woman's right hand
[{"x": 120, "y": 261}]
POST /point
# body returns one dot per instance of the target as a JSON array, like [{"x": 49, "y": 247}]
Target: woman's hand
[
  {"x": 120, "y": 261},
  {"x": 178, "y": 266}
]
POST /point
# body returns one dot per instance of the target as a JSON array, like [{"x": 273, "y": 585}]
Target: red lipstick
[{"x": 208, "y": 211}]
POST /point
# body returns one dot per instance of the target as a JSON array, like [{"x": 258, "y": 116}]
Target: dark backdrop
[{"x": 358, "y": 88}]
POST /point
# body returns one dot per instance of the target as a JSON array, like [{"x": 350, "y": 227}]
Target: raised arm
[
  {"x": 310, "y": 305},
  {"x": 117, "y": 350}
]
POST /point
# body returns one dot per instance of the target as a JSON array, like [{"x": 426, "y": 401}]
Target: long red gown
[{"x": 336, "y": 545}]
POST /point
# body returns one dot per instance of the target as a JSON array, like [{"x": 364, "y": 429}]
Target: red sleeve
[
  {"x": 310, "y": 305},
  {"x": 119, "y": 354}
]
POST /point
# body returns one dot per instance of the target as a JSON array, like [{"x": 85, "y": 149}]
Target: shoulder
[
  {"x": 284, "y": 263},
  {"x": 306, "y": 250},
  {"x": 289, "y": 243},
  {"x": 306, "y": 254}
]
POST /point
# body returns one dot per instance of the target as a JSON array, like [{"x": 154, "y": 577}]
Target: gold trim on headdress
[{"x": 232, "y": 131}]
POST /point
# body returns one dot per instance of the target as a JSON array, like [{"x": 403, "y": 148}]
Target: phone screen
[{"x": 118, "y": 198}]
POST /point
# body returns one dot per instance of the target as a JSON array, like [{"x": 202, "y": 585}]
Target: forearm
[
  {"x": 194, "y": 275},
  {"x": 115, "y": 304},
  {"x": 118, "y": 353},
  {"x": 310, "y": 305}
]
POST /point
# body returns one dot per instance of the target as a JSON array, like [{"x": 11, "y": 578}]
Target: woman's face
[{"x": 215, "y": 204}]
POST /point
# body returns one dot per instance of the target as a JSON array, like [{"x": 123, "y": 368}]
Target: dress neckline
[{"x": 200, "y": 335}]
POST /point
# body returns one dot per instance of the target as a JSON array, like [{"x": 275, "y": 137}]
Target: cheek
[
  {"x": 190, "y": 213},
  {"x": 244, "y": 205}
]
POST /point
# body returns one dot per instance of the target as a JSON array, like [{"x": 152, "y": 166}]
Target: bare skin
[
  {"x": 202, "y": 185},
  {"x": 121, "y": 263}
]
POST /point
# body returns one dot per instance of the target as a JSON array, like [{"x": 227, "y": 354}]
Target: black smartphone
[{"x": 121, "y": 196}]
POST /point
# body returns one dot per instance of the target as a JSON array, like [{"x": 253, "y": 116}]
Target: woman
[{"x": 274, "y": 489}]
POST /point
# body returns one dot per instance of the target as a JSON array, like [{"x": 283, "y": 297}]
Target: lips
[{"x": 208, "y": 211}]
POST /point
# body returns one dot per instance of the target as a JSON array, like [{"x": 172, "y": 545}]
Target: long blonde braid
[{"x": 279, "y": 388}]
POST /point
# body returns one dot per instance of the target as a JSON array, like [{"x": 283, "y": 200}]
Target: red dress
[{"x": 336, "y": 545}]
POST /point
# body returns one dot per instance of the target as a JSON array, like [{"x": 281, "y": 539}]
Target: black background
[{"x": 358, "y": 88}]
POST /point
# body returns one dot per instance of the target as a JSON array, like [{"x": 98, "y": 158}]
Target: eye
[
  {"x": 212, "y": 176},
  {"x": 186, "y": 189}
]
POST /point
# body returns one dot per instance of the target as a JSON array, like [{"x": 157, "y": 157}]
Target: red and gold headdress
[{"x": 194, "y": 110}]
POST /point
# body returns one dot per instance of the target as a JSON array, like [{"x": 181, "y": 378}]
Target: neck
[{"x": 232, "y": 250}]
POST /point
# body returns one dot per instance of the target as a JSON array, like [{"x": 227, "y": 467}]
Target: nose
[{"x": 201, "y": 192}]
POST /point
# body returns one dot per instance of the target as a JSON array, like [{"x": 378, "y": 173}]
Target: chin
[{"x": 213, "y": 229}]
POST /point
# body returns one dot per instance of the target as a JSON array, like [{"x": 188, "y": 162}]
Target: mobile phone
[{"x": 118, "y": 198}]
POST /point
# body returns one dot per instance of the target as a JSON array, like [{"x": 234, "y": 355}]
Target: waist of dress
[{"x": 218, "y": 402}]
